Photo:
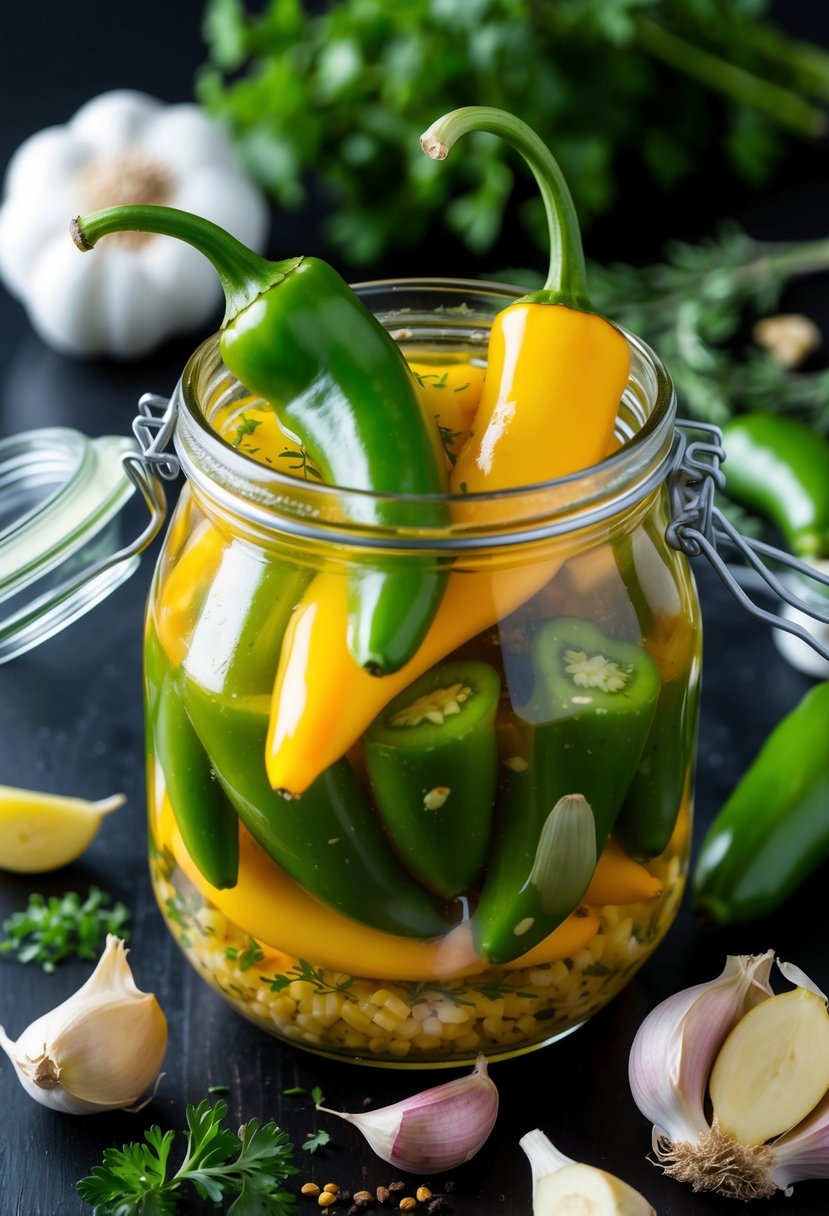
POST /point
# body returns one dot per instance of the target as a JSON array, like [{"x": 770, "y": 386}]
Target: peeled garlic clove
[
  {"x": 100, "y": 1050},
  {"x": 773, "y": 1068},
  {"x": 435, "y": 1130},
  {"x": 675, "y": 1047},
  {"x": 41, "y": 832},
  {"x": 563, "y": 1187}
]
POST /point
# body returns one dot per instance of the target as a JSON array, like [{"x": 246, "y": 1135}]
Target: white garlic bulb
[{"x": 100, "y": 1050}]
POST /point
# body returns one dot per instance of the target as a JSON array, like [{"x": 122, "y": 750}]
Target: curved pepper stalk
[{"x": 295, "y": 334}]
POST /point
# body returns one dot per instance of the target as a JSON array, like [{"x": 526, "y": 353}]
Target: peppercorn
[
  {"x": 310, "y": 1189},
  {"x": 438, "y": 1206},
  {"x": 422, "y": 1194}
]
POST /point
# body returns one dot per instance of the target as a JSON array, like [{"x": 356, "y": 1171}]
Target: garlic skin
[
  {"x": 435, "y": 1130},
  {"x": 99, "y": 1050},
  {"x": 675, "y": 1053},
  {"x": 563, "y": 1187}
]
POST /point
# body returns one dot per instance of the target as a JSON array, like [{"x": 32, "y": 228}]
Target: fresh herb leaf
[
  {"x": 447, "y": 438},
  {"x": 249, "y": 1168},
  {"x": 251, "y": 956},
  {"x": 218, "y": 1089},
  {"x": 296, "y": 1091},
  {"x": 246, "y": 427},
  {"x": 317, "y": 1095},
  {"x": 303, "y": 970},
  {"x": 50, "y": 930},
  {"x": 301, "y": 463},
  {"x": 317, "y": 1140}
]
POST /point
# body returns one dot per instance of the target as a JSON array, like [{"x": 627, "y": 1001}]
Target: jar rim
[{"x": 277, "y": 500}]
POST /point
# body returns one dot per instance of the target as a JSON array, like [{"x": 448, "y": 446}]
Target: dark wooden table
[{"x": 70, "y": 721}]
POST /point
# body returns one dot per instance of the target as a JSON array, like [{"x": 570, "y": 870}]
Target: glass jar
[{"x": 431, "y": 895}]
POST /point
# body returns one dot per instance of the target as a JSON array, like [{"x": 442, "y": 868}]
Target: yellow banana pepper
[{"x": 268, "y": 905}]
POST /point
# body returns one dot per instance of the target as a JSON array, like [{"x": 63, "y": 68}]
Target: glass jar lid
[{"x": 61, "y": 494}]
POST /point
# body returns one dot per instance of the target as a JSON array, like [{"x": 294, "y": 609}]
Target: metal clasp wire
[
  {"x": 153, "y": 430},
  {"x": 61, "y": 605},
  {"x": 698, "y": 526}
]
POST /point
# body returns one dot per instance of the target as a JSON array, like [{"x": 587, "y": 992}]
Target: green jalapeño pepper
[
  {"x": 208, "y": 823},
  {"x": 774, "y": 829},
  {"x": 649, "y": 812},
  {"x": 780, "y": 467},
  {"x": 329, "y": 840},
  {"x": 432, "y": 761},
  {"x": 234, "y": 647},
  {"x": 587, "y": 720},
  {"x": 296, "y": 335}
]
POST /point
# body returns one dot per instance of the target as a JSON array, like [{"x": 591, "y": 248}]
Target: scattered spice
[
  {"x": 326, "y": 1199},
  {"x": 383, "y": 1194},
  {"x": 422, "y": 1194},
  {"x": 309, "y": 1188},
  {"x": 363, "y": 1198},
  {"x": 332, "y": 1188},
  {"x": 407, "y": 1204}
]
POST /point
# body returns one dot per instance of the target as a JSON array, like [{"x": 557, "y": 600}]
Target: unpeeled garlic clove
[
  {"x": 563, "y": 1187},
  {"x": 41, "y": 832},
  {"x": 99, "y": 1050},
  {"x": 675, "y": 1047},
  {"x": 435, "y": 1130}
]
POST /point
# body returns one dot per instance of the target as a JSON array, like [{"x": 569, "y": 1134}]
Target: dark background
[{"x": 70, "y": 718}]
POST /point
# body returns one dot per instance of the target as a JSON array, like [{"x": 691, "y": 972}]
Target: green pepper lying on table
[{"x": 774, "y": 829}]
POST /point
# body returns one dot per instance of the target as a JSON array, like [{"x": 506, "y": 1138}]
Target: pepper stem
[
  {"x": 244, "y": 274},
  {"x": 567, "y": 276}
]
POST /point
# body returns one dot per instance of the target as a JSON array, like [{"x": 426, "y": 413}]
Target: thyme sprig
[{"x": 692, "y": 309}]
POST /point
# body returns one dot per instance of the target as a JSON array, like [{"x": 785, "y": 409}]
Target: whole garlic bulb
[
  {"x": 121, "y": 147},
  {"x": 100, "y": 1050},
  {"x": 762, "y": 1058}
]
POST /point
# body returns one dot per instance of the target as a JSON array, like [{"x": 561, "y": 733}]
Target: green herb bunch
[
  {"x": 51, "y": 930},
  {"x": 344, "y": 93},
  {"x": 250, "y": 1169},
  {"x": 694, "y": 310}
]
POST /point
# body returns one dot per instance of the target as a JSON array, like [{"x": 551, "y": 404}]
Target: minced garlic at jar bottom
[{"x": 498, "y": 1012}]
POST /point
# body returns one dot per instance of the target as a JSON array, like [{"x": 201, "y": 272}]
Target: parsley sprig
[
  {"x": 249, "y": 1168},
  {"x": 50, "y": 930}
]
